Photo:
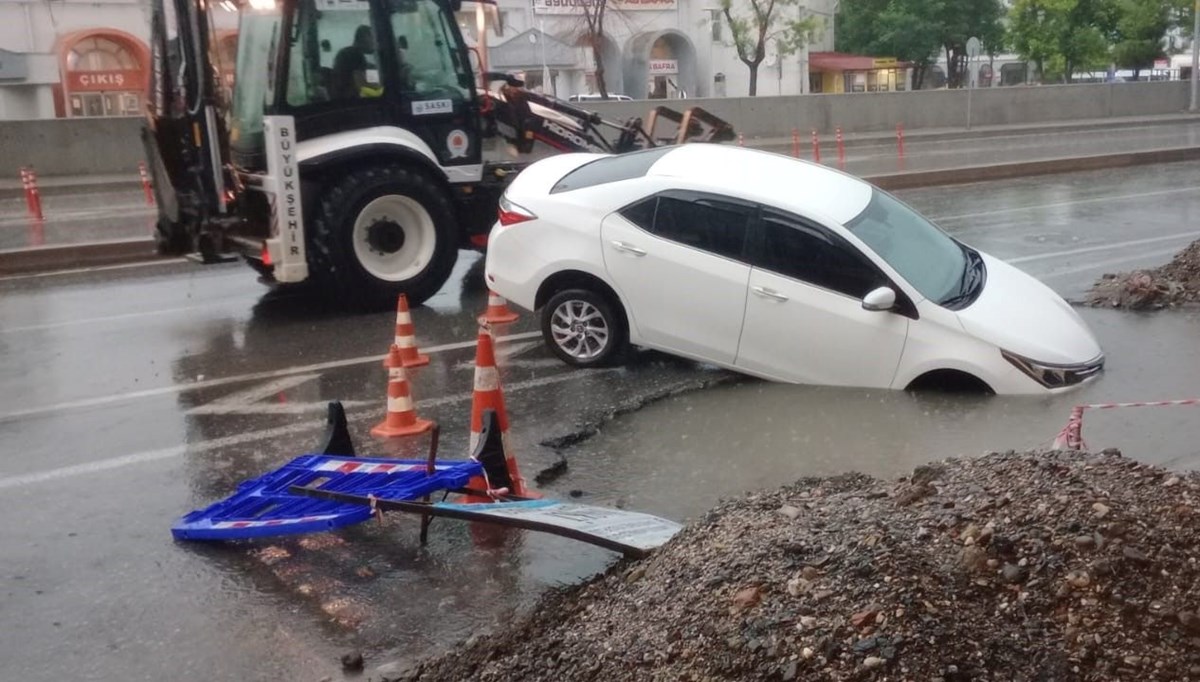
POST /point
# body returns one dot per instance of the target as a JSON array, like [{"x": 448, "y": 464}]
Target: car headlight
[{"x": 1053, "y": 375}]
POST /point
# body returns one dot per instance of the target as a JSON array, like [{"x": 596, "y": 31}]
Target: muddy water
[{"x": 679, "y": 456}]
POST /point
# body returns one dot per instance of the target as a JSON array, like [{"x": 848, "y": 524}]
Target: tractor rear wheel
[{"x": 381, "y": 231}]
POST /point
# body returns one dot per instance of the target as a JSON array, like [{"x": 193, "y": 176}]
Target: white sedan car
[{"x": 775, "y": 267}]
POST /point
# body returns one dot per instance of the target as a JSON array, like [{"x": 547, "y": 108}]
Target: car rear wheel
[{"x": 584, "y": 328}]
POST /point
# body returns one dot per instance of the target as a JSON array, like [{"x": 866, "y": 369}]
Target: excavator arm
[
  {"x": 525, "y": 118},
  {"x": 185, "y": 135}
]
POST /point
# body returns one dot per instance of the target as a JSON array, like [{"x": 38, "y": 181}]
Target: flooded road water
[{"x": 679, "y": 456}]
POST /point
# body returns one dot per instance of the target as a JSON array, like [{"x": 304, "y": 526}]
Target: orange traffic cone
[
  {"x": 406, "y": 339},
  {"x": 497, "y": 310},
  {"x": 489, "y": 396},
  {"x": 401, "y": 417}
]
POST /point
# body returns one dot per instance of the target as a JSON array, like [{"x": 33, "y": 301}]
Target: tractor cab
[{"x": 349, "y": 66}]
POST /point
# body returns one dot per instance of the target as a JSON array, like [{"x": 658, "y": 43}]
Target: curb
[
  {"x": 69, "y": 256},
  {"x": 120, "y": 252},
  {"x": 871, "y": 138},
  {"x": 1007, "y": 171}
]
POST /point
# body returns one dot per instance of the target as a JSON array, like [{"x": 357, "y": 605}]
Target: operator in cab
[{"x": 351, "y": 68}]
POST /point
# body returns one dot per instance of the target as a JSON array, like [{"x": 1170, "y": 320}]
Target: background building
[
  {"x": 651, "y": 48},
  {"x": 74, "y": 58},
  {"x": 65, "y": 58}
]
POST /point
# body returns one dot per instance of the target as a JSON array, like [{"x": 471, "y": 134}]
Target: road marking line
[
  {"x": 121, "y": 316},
  {"x": 250, "y": 437},
  {"x": 98, "y": 268},
  {"x": 1103, "y": 247},
  {"x": 1105, "y": 263},
  {"x": 1059, "y": 204},
  {"x": 115, "y": 213},
  {"x": 251, "y": 400},
  {"x": 225, "y": 381}
]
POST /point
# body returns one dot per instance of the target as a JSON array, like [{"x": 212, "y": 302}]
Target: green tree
[
  {"x": 916, "y": 30},
  {"x": 1141, "y": 26},
  {"x": 905, "y": 29},
  {"x": 962, "y": 20},
  {"x": 1063, "y": 36},
  {"x": 750, "y": 30}
]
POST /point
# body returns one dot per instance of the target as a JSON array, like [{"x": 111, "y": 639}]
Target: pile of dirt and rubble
[
  {"x": 1174, "y": 284},
  {"x": 1046, "y": 566}
]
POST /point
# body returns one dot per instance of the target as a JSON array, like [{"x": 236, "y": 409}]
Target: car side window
[
  {"x": 812, "y": 254},
  {"x": 703, "y": 223},
  {"x": 642, "y": 213}
]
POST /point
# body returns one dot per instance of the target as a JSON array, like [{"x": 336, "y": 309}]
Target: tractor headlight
[{"x": 1053, "y": 375}]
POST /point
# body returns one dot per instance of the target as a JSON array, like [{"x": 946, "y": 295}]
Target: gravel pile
[
  {"x": 1174, "y": 284},
  {"x": 1034, "y": 566}
]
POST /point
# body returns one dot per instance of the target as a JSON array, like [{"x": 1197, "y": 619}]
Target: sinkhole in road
[{"x": 679, "y": 456}]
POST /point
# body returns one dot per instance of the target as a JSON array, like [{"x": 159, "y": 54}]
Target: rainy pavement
[{"x": 136, "y": 394}]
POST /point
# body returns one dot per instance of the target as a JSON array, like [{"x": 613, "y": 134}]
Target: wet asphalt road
[{"x": 134, "y": 395}]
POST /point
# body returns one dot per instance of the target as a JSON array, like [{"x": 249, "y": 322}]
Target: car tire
[
  {"x": 382, "y": 231},
  {"x": 585, "y": 328}
]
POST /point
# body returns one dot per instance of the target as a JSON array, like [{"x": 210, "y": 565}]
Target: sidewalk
[{"x": 111, "y": 209}]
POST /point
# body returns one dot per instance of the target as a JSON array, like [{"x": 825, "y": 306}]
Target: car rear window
[{"x": 610, "y": 169}]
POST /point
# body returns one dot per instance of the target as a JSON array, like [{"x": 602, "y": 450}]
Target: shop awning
[{"x": 840, "y": 61}]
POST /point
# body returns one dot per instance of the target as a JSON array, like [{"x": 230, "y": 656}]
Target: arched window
[
  {"x": 101, "y": 54},
  {"x": 104, "y": 75}
]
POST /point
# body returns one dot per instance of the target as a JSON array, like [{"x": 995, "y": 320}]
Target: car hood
[{"x": 1020, "y": 314}]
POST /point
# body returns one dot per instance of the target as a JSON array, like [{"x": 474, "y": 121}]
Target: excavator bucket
[{"x": 692, "y": 125}]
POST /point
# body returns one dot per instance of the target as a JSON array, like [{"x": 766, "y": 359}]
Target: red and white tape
[{"x": 1071, "y": 437}]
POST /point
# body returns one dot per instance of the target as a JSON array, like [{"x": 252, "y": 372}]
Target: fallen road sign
[{"x": 631, "y": 533}]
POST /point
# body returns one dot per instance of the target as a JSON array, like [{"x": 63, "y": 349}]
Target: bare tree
[
  {"x": 593, "y": 17},
  {"x": 751, "y": 32}
]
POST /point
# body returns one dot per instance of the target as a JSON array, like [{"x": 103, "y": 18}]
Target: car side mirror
[{"x": 881, "y": 299}]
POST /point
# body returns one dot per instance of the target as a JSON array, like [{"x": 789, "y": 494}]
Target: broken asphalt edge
[{"x": 48, "y": 259}]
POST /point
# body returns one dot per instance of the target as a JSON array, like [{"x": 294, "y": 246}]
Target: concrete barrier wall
[
  {"x": 113, "y": 145},
  {"x": 80, "y": 146},
  {"x": 871, "y": 112}
]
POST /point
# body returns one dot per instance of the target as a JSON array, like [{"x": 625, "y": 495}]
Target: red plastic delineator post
[
  {"x": 841, "y": 146},
  {"x": 35, "y": 197},
  {"x": 900, "y": 139},
  {"x": 741, "y": 140},
  {"x": 146, "y": 183},
  {"x": 816, "y": 147},
  {"x": 796, "y": 142},
  {"x": 27, "y": 186}
]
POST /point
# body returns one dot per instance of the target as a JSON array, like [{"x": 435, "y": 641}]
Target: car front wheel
[{"x": 584, "y": 328}]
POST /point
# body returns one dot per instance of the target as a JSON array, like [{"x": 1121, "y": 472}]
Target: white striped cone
[
  {"x": 401, "y": 417},
  {"x": 406, "y": 338},
  {"x": 497, "y": 310},
  {"x": 489, "y": 395}
]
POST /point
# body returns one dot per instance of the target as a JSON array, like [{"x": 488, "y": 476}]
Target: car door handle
[
  {"x": 627, "y": 248},
  {"x": 769, "y": 293}
]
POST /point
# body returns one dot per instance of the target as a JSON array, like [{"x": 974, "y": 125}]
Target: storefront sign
[
  {"x": 104, "y": 80},
  {"x": 577, "y": 6},
  {"x": 1162, "y": 63},
  {"x": 884, "y": 63},
  {"x": 663, "y": 67}
]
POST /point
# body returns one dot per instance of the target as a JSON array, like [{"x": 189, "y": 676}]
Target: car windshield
[{"x": 924, "y": 255}]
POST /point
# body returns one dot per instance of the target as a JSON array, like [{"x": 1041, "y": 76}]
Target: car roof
[{"x": 773, "y": 179}]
